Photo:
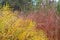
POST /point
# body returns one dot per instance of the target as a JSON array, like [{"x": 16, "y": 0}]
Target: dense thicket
[{"x": 25, "y": 5}]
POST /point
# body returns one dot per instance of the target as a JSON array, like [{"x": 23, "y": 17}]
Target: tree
[
  {"x": 23, "y": 5},
  {"x": 58, "y": 7}
]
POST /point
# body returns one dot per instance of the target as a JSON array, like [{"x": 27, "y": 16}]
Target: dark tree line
[{"x": 27, "y": 4}]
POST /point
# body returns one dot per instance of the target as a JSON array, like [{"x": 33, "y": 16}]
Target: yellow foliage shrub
[{"x": 17, "y": 28}]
